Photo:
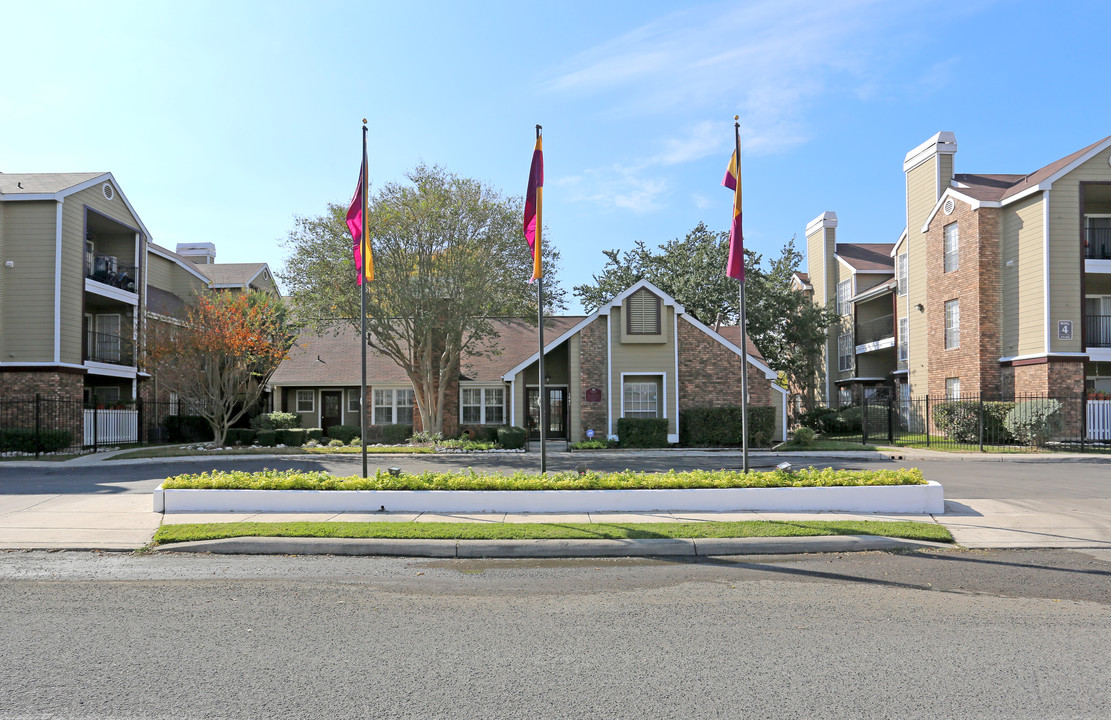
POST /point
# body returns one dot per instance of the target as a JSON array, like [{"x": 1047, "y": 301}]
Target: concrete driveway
[{"x": 1010, "y": 501}]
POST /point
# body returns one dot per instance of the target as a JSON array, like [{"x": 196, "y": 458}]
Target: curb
[{"x": 654, "y": 547}]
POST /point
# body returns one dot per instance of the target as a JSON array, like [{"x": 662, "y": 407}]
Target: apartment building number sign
[{"x": 1064, "y": 329}]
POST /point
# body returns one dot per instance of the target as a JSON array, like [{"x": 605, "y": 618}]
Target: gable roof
[
  {"x": 231, "y": 274},
  {"x": 866, "y": 257},
  {"x": 43, "y": 183}
]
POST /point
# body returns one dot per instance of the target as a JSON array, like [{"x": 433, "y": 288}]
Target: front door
[
  {"x": 331, "y": 408},
  {"x": 557, "y": 413}
]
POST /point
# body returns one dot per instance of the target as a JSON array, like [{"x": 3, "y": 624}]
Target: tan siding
[
  {"x": 918, "y": 364},
  {"x": 643, "y": 359},
  {"x": 28, "y": 306},
  {"x": 1023, "y": 261},
  {"x": 921, "y": 194},
  {"x": 864, "y": 282},
  {"x": 945, "y": 165},
  {"x": 2, "y": 281},
  {"x": 159, "y": 272},
  {"x": 1065, "y": 255}
]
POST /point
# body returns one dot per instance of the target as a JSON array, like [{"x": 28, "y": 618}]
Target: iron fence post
[
  {"x": 981, "y": 422},
  {"x": 863, "y": 418},
  {"x": 139, "y": 418},
  {"x": 927, "y": 420},
  {"x": 96, "y": 430},
  {"x": 891, "y": 418},
  {"x": 38, "y": 411}
]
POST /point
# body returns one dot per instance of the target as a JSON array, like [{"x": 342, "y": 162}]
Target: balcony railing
[
  {"x": 1098, "y": 330},
  {"x": 105, "y": 348},
  {"x": 1099, "y": 244},
  {"x": 870, "y": 331},
  {"x": 108, "y": 270}
]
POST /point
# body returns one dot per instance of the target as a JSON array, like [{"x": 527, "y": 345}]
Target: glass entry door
[{"x": 557, "y": 413}]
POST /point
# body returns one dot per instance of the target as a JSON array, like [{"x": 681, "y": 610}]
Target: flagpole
[
  {"x": 542, "y": 400},
  {"x": 743, "y": 320},
  {"x": 362, "y": 313}
]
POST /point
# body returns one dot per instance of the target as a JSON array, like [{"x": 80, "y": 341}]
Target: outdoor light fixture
[
  {"x": 547, "y": 379},
  {"x": 784, "y": 466},
  {"x": 920, "y": 307},
  {"x": 395, "y": 471}
]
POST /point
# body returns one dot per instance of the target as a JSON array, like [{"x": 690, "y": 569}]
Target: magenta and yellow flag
[
  {"x": 360, "y": 233},
  {"x": 735, "y": 267},
  {"x": 533, "y": 202}
]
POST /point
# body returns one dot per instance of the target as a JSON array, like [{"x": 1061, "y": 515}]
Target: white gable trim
[
  {"x": 957, "y": 195},
  {"x": 854, "y": 271},
  {"x": 508, "y": 376},
  {"x": 99, "y": 180},
  {"x": 895, "y": 248},
  {"x": 668, "y": 301},
  {"x": 183, "y": 264},
  {"x": 768, "y": 372}
]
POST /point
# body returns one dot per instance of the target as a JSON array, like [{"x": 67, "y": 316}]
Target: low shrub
[
  {"x": 290, "y": 437},
  {"x": 316, "y": 434},
  {"x": 355, "y": 442},
  {"x": 426, "y": 437},
  {"x": 1033, "y": 422},
  {"x": 23, "y": 440},
  {"x": 959, "y": 420},
  {"x": 241, "y": 436},
  {"x": 396, "y": 434},
  {"x": 187, "y": 429},
  {"x": 823, "y": 420},
  {"x": 642, "y": 432},
  {"x": 276, "y": 421},
  {"x": 718, "y": 426},
  {"x": 804, "y": 436},
  {"x": 268, "y": 438},
  {"x": 335, "y": 442},
  {"x": 344, "y": 433},
  {"x": 594, "y": 445},
  {"x": 465, "y": 444},
  {"x": 512, "y": 437}
]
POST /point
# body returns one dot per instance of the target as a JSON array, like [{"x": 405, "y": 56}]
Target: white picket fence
[
  {"x": 1099, "y": 419},
  {"x": 112, "y": 426}
]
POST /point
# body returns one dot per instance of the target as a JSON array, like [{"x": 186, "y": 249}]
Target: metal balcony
[
  {"x": 108, "y": 270},
  {"x": 112, "y": 349}
]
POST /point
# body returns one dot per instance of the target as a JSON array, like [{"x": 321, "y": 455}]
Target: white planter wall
[{"x": 909, "y": 499}]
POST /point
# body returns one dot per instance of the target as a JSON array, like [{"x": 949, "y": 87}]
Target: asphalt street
[{"x": 960, "y": 634}]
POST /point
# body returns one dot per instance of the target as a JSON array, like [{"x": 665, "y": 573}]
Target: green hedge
[
  {"x": 241, "y": 436},
  {"x": 24, "y": 440},
  {"x": 703, "y": 426},
  {"x": 511, "y": 437},
  {"x": 316, "y": 434},
  {"x": 344, "y": 433},
  {"x": 642, "y": 432},
  {"x": 959, "y": 420},
  {"x": 187, "y": 429},
  {"x": 276, "y": 421},
  {"x": 570, "y": 480},
  {"x": 396, "y": 434},
  {"x": 268, "y": 438},
  {"x": 291, "y": 437}
]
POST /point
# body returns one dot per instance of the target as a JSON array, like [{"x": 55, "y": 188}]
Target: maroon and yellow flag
[
  {"x": 356, "y": 223},
  {"x": 533, "y": 201},
  {"x": 735, "y": 267}
]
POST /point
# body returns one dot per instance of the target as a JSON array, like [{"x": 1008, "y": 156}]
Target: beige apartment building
[
  {"x": 999, "y": 285},
  {"x": 80, "y": 279}
]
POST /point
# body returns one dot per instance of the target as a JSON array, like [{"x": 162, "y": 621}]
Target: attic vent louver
[
  {"x": 948, "y": 206},
  {"x": 108, "y": 190}
]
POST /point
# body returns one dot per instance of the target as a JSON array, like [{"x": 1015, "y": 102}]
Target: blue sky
[{"x": 222, "y": 121}]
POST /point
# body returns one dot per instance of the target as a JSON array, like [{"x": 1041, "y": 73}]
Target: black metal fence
[
  {"x": 38, "y": 425},
  {"x": 970, "y": 422}
]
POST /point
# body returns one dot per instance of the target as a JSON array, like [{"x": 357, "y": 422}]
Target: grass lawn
[
  {"x": 551, "y": 531},
  {"x": 191, "y": 450},
  {"x": 823, "y": 445}
]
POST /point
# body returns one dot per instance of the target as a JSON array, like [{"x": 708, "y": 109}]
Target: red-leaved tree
[{"x": 220, "y": 354}]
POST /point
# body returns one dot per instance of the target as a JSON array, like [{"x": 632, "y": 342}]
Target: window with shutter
[{"x": 642, "y": 314}]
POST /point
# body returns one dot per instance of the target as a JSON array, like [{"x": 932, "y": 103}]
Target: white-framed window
[
  {"x": 902, "y": 272},
  {"x": 393, "y": 406},
  {"x": 952, "y": 244},
  {"x": 353, "y": 400},
  {"x": 845, "y": 352},
  {"x": 174, "y": 403},
  {"x": 306, "y": 401},
  {"x": 640, "y": 398},
  {"x": 844, "y": 395},
  {"x": 904, "y": 335},
  {"x": 844, "y": 292},
  {"x": 482, "y": 406},
  {"x": 952, "y": 324},
  {"x": 953, "y": 388}
]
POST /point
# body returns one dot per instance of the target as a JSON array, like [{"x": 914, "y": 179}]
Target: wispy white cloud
[{"x": 773, "y": 62}]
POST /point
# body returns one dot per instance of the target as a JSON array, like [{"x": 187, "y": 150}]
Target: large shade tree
[
  {"x": 786, "y": 325},
  {"x": 449, "y": 255},
  {"x": 220, "y": 353}
]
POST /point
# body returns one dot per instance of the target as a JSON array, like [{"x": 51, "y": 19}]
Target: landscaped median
[{"x": 807, "y": 490}]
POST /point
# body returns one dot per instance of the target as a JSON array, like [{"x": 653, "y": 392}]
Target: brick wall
[
  {"x": 710, "y": 373},
  {"x": 592, "y": 373},
  {"x": 60, "y": 385},
  {"x": 977, "y": 285}
]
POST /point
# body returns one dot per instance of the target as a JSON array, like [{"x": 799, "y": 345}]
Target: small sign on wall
[
  {"x": 593, "y": 394},
  {"x": 1064, "y": 329}
]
